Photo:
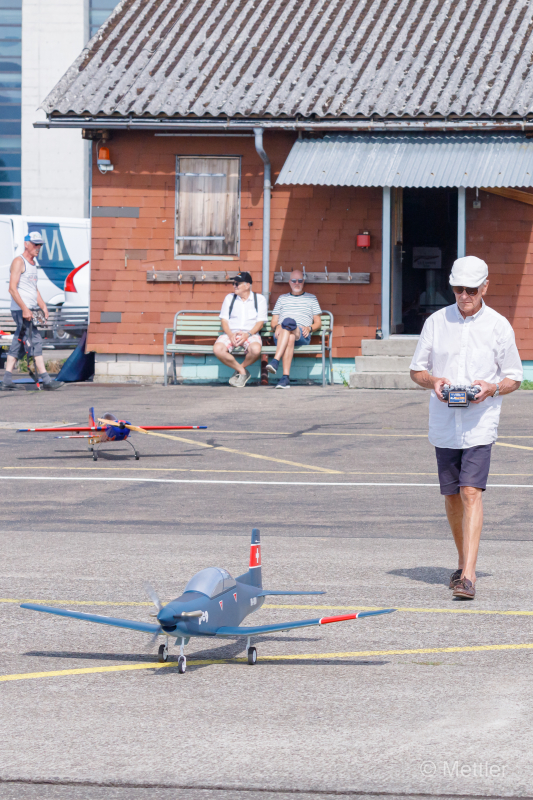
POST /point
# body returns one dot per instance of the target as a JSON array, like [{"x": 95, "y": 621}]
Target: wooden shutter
[{"x": 207, "y": 213}]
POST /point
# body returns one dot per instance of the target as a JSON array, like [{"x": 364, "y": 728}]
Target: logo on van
[{"x": 53, "y": 258}]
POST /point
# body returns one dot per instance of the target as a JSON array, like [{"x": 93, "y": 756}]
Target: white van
[{"x": 64, "y": 261}]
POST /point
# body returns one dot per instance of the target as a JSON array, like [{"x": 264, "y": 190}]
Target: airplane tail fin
[
  {"x": 92, "y": 423},
  {"x": 253, "y": 576}
]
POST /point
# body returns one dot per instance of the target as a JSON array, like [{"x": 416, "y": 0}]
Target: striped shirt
[{"x": 299, "y": 307}]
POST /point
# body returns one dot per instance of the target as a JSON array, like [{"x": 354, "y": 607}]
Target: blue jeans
[{"x": 299, "y": 342}]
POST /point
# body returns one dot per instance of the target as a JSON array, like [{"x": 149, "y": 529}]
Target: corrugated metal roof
[
  {"x": 408, "y": 160},
  {"x": 313, "y": 58}
]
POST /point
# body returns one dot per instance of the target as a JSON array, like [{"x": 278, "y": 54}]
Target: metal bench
[
  {"x": 64, "y": 327},
  {"x": 206, "y": 325}
]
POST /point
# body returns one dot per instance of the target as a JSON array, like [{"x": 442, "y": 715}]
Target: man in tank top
[{"x": 25, "y": 298}]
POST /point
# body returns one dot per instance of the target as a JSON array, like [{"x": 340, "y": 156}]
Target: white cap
[
  {"x": 469, "y": 271},
  {"x": 34, "y": 237}
]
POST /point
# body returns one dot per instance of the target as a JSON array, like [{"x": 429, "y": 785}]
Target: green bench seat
[{"x": 206, "y": 325}]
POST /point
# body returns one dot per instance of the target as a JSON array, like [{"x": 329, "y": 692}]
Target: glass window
[
  {"x": 207, "y": 206},
  {"x": 211, "y": 581}
]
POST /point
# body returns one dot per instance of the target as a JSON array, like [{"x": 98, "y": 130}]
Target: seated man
[
  {"x": 295, "y": 317},
  {"x": 243, "y": 315}
]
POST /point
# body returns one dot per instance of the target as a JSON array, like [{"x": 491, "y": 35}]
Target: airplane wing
[
  {"x": 265, "y": 592},
  {"x": 173, "y": 427},
  {"x": 302, "y": 623},
  {"x": 77, "y": 429},
  {"x": 144, "y": 627}
]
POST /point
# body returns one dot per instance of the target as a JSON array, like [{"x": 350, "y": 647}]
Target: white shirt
[
  {"x": 480, "y": 347},
  {"x": 244, "y": 316}
]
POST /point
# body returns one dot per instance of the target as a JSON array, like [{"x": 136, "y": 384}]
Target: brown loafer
[
  {"x": 464, "y": 589},
  {"x": 455, "y": 577}
]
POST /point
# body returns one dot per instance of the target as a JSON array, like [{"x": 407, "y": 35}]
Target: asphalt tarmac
[{"x": 434, "y": 700}]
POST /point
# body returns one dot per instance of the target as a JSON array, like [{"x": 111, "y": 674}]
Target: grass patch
[{"x": 527, "y": 385}]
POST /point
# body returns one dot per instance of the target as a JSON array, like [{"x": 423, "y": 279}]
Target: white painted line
[{"x": 252, "y": 483}]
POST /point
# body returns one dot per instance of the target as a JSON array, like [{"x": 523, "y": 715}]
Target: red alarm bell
[{"x": 363, "y": 240}]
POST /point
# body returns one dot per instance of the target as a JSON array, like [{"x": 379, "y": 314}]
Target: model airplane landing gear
[
  {"x": 252, "y": 652},
  {"x": 163, "y": 653},
  {"x": 182, "y": 661},
  {"x": 133, "y": 448}
]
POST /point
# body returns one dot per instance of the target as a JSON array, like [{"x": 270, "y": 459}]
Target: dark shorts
[
  {"x": 299, "y": 342},
  {"x": 469, "y": 467},
  {"x": 17, "y": 348}
]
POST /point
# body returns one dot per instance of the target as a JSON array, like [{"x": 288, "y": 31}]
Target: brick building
[{"x": 411, "y": 122}]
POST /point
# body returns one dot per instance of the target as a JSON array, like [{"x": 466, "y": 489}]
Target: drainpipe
[
  {"x": 267, "y": 189},
  {"x": 461, "y": 222},
  {"x": 385, "y": 262}
]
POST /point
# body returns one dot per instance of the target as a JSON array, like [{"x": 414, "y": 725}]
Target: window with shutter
[{"x": 207, "y": 206}]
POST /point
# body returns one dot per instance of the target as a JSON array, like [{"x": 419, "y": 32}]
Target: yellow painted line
[
  {"x": 239, "y": 452},
  {"x": 74, "y": 602},
  {"x": 408, "y": 610},
  {"x": 518, "y": 446},
  {"x": 284, "y": 605},
  {"x": 300, "y": 657}
]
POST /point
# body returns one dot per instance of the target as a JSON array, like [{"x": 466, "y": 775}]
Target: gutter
[
  {"x": 267, "y": 191},
  {"x": 250, "y": 125}
]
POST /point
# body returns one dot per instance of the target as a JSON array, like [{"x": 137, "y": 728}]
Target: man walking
[
  {"x": 466, "y": 344},
  {"x": 243, "y": 314},
  {"x": 294, "y": 319},
  {"x": 25, "y": 299}
]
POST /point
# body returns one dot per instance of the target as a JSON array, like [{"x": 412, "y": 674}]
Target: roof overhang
[
  {"x": 366, "y": 125},
  {"x": 410, "y": 160}
]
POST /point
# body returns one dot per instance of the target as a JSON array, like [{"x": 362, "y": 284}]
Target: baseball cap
[
  {"x": 242, "y": 277},
  {"x": 469, "y": 271},
  {"x": 34, "y": 237}
]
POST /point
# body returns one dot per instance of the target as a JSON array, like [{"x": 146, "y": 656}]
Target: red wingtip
[{"x": 325, "y": 620}]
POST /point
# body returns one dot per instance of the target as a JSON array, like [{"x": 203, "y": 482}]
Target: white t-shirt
[
  {"x": 244, "y": 316},
  {"x": 27, "y": 285},
  {"x": 480, "y": 347}
]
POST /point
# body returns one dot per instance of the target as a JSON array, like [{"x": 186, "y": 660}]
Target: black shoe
[
  {"x": 8, "y": 388},
  {"x": 49, "y": 387},
  {"x": 455, "y": 577}
]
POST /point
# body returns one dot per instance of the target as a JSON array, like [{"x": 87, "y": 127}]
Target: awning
[{"x": 469, "y": 160}]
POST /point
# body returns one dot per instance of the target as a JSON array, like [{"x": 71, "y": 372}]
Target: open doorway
[{"x": 423, "y": 253}]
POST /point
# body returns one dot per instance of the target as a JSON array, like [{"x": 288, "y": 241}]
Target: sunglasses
[
  {"x": 296, "y": 280},
  {"x": 461, "y": 289}
]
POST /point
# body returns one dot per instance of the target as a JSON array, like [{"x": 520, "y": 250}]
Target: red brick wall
[
  {"x": 311, "y": 226},
  {"x": 501, "y": 232}
]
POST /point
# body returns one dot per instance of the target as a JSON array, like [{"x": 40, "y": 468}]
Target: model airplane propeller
[
  {"x": 213, "y": 605},
  {"x": 110, "y": 429}
]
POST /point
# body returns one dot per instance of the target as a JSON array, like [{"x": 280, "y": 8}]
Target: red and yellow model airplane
[{"x": 109, "y": 429}]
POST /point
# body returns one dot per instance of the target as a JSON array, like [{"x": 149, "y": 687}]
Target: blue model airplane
[{"x": 213, "y": 605}]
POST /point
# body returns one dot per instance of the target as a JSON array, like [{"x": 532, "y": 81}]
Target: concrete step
[
  {"x": 401, "y": 346},
  {"x": 383, "y": 363},
  {"x": 381, "y": 380}
]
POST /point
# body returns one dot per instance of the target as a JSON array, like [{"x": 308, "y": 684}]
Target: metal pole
[
  {"x": 385, "y": 262},
  {"x": 461, "y": 222},
  {"x": 267, "y": 189}
]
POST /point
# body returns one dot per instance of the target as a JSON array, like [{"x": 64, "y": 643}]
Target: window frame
[{"x": 207, "y": 256}]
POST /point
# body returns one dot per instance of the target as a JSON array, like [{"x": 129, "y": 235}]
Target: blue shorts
[
  {"x": 468, "y": 467},
  {"x": 299, "y": 342}
]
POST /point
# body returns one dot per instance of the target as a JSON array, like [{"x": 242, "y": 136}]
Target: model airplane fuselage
[
  {"x": 213, "y": 605},
  {"x": 108, "y": 429}
]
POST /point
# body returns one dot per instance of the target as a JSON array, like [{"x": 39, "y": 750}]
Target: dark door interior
[{"x": 429, "y": 250}]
